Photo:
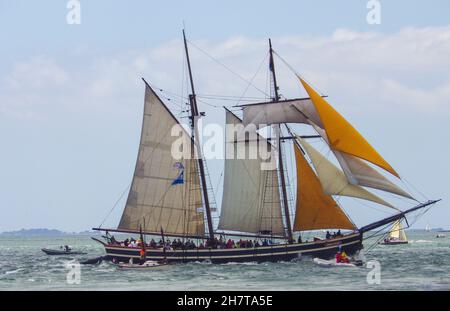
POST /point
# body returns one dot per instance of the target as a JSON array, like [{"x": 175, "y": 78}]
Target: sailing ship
[
  {"x": 396, "y": 235},
  {"x": 172, "y": 195}
]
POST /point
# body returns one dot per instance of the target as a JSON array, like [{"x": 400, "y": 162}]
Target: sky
[{"x": 71, "y": 97}]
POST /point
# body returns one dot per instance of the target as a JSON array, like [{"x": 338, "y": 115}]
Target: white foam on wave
[
  {"x": 13, "y": 271},
  {"x": 421, "y": 241}
]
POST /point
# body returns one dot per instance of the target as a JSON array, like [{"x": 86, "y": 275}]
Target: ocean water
[{"x": 423, "y": 264}]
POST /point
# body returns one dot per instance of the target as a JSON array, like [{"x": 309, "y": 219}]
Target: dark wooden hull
[{"x": 324, "y": 249}]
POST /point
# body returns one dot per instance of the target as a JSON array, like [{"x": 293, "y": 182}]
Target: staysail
[
  {"x": 342, "y": 136},
  {"x": 314, "y": 208},
  {"x": 333, "y": 180},
  {"x": 165, "y": 192},
  {"x": 360, "y": 173},
  {"x": 251, "y": 198}
]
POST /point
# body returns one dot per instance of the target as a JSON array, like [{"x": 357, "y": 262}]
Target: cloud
[
  {"x": 38, "y": 73},
  {"x": 407, "y": 70}
]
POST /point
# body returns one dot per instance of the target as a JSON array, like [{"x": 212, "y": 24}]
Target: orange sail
[
  {"x": 315, "y": 209},
  {"x": 342, "y": 136}
]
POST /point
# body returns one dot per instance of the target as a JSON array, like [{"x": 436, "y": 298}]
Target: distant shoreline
[{"x": 43, "y": 232}]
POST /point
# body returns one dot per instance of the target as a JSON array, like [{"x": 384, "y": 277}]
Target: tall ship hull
[
  {"x": 171, "y": 194},
  {"x": 324, "y": 249}
]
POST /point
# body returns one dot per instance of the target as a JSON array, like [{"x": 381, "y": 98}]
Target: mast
[
  {"x": 194, "y": 116},
  {"x": 280, "y": 156}
]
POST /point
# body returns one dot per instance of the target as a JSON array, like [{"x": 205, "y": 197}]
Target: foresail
[
  {"x": 314, "y": 208},
  {"x": 251, "y": 199},
  {"x": 342, "y": 136},
  {"x": 333, "y": 180},
  {"x": 165, "y": 192}
]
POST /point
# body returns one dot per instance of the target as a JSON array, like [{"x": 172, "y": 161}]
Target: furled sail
[
  {"x": 360, "y": 173},
  {"x": 276, "y": 112},
  {"x": 314, "y": 208},
  {"x": 342, "y": 136},
  {"x": 397, "y": 231},
  {"x": 165, "y": 192},
  {"x": 251, "y": 199},
  {"x": 333, "y": 180}
]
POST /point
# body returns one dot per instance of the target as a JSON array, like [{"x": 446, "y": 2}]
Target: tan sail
[
  {"x": 342, "y": 136},
  {"x": 314, "y": 208},
  {"x": 287, "y": 111},
  {"x": 251, "y": 199},
  {"x": 360, "y": 173},
  {"x": 333, "y": 180},
  {"x": 153, "y": 201}
]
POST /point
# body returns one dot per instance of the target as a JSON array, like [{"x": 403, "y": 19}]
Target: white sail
[
  {"x": 358, "y": 172},
  {"x": 251, "y": 199},
  {"x": 397, "y": 231},
  {"x": 287, "y": 111},
  {"x": 155, "y": 201},
  {"x": 333, "y": 180}
]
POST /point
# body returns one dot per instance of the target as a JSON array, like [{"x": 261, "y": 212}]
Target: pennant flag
[{"x": 180, "y": 177}]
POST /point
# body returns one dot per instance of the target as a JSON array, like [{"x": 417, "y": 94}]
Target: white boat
[
  {"x": 149, "y": 264},
  {"x": 440, "y": 235},
  {"x": 333, "y": 263},
  {"x": 396, "y": 235}
]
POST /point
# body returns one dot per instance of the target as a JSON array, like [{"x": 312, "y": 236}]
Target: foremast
[
  {"x": 194, "y": 115},
  {"x": 277, "y": 127}
]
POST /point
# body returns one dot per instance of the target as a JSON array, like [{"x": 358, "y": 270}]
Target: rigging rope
[{"x": 225, "y": 66}]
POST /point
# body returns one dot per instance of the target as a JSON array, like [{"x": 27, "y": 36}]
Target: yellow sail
[
  {"x": 315, "y": 209},
  {"x": 342, "y": 135},
  {"x": 333, "y": 180},
  {"x": 397, "y": 231}
]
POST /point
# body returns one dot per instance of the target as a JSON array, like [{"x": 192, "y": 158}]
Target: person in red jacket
[{"x": 338, "y": 257}]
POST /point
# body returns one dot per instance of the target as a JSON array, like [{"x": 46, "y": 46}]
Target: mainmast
[
  {"x": 194, "y": 129},
  {"x": 280, "y": 156}
]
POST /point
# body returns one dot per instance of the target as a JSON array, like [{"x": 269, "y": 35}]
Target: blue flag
[{"x": 180, "y": 177}]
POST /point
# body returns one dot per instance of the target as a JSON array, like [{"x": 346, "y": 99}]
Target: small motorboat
[
  {"x": 147, "y": 265},
  {"x": 333, "y": 263},
  {"x": 62, "y": 251},
  {"x": 440, "y": 236}
]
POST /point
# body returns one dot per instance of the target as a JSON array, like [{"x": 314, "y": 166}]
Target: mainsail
[
  {"x": 333, "y": 180},
  {"x": 165, "y": 192},
  {"x": 251, "y": 198},
  {"x": 342, "y": 136},
  {"x": 314, "y": 208}
]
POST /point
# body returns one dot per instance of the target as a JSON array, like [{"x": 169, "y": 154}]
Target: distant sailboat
[
  {"x": 174, "y": 195},
  {"x": 396, "y": 235}
]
